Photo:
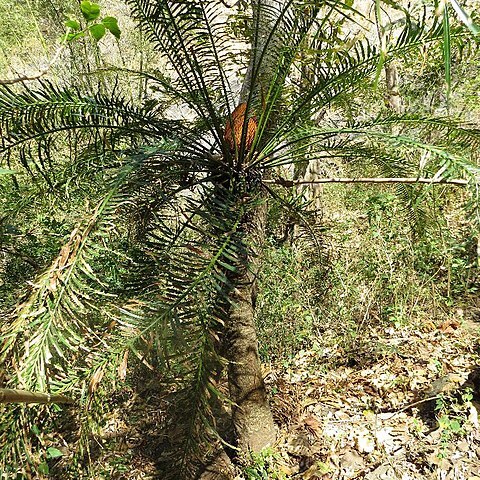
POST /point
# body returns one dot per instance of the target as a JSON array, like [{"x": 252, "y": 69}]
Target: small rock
[
  {"x": 352, "y": 461},
  {"x": 434, "y": 437},
  {"x": 365, "y": 442},
  {"x": 473, "y": 414},
  {"x": 463, "y": 446},
  {"x": 444, "y": 384}
]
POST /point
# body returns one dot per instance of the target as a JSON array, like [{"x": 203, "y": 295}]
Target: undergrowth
[{"x": 383, "y": 271}]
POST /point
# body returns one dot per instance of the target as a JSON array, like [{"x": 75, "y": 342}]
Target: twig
[
  {"x": 292, "y": 183},
  {"x": 15, "y": 253},
  {"x": 8, "y": 395},
  {"x": 41, "y": 73},
  {"x": 410, "y": 405}
]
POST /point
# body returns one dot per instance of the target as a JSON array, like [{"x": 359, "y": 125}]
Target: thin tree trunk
[
  {"x": 8, "y": 395},
  {"x": 394, "y": 100},
  {"x": 251, "y": 414}
]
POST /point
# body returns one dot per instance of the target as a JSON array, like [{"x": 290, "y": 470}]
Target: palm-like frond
[
  {"x": 50, "y": 332},
  {"x": 450, "y": 153},
  {"x": 182, "y": 306},
  {"x": 54, "y": 317},
  {"x": 330, "y": 71},
  {"x": 461, "y": 145},
  {"x": 31, "y": 119},
  {"x": 193, "y": 38}
]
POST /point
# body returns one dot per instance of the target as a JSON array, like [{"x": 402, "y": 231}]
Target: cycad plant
[{"x": 184, "y": 181}]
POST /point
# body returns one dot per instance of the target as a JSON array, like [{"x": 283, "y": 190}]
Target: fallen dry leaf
[
  {"x": 122, "y": 368},
  {"x": 95, "y": 380},
  {"x": 449, "y": 326}
]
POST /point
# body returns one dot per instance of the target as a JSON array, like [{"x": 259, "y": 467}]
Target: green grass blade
[
  {"x": 447, "y": 51},
  {"x": 381, "y": 36},
  {"x": 465, "y": 17}
]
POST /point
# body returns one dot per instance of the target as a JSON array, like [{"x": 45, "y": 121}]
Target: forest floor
[{"x": 405, "y": 406}]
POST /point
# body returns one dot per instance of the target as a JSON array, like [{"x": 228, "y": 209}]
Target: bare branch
[
  {"x": 41, "y": 73},
  {"x": 24, "y": 396},
  {"x": 292, "y": 183},
  {"x": 16, "y": 253}
]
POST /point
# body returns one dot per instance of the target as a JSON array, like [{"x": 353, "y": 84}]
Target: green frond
[
  {"x": 47, "y": 344},
  {"x": 56, "y": 316},
  {"x": 177, "y": 303},
  {"x": 189, "y": 243},
  {"x": 52, "y": 320},
  {"x": 332, "y": 71},
  {"x": 31, "y": 120},
  {"x": 288, "y": 25},
  {"x": 197, "y": 394},
  {"x": 460, "y": 149},
  {"x": 194, "y": 38},
  {"x": 450, "y": 153}
]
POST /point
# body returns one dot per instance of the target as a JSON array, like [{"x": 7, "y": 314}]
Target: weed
[
  {"x": 262, "y": 466},
  {"x": 452, "y": 415}
]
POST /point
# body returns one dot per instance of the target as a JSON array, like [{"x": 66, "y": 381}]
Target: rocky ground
[{"x": 404, "y": 407}]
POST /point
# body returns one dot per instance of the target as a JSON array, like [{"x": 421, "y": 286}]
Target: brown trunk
[{"x": 251, "y": 414}]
